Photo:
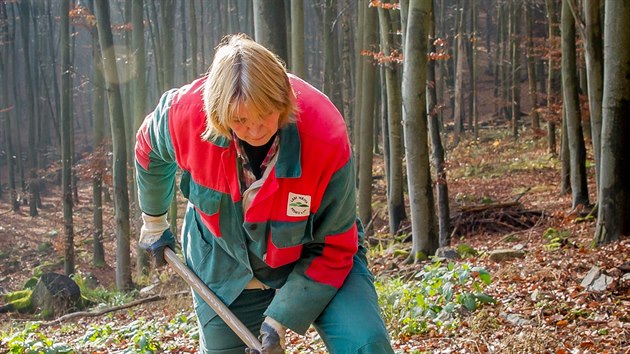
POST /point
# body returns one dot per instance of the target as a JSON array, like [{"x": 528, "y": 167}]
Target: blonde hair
[{"x": 244, "y": 71}]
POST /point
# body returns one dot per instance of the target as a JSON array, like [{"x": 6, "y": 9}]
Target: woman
[{"x": 271, "y": 222}]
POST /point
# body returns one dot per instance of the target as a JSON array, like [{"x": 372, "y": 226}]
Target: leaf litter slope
[{"x": 542, "y": 289}]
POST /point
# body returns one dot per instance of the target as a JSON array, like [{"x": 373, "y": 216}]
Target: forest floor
[{"x": 541, "y": 305}]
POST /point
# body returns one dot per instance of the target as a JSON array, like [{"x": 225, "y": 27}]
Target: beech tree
[
  {"x": 423, "y": 222},
  {"x": 121, "y": 197},
  {"x": 572, "y": 116},
  {"x": 614, "y": 190}
]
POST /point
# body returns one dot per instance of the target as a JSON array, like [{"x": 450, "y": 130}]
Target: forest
[{"x": 487, "y": 138}]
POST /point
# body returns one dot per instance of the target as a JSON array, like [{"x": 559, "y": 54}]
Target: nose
[{"x": 254, "y": 128}]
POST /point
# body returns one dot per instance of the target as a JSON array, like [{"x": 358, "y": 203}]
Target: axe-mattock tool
[{"x": 212, "y": 300}]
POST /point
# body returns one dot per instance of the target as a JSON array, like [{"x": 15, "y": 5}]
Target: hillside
[{"x": 541, "y": 306}]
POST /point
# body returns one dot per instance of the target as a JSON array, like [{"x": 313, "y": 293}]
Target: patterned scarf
[{"x": 246, "y": 174}]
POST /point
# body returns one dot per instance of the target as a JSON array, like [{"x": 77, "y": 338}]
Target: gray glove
[{"x": 271, "y": 337}]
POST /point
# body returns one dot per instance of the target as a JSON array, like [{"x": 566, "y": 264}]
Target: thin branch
[{"x": 110, "y": 309}]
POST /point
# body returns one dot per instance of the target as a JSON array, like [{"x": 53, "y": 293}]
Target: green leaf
[
  {"x": 485, "y": 298},
  {"x": 469, "y": 302}
]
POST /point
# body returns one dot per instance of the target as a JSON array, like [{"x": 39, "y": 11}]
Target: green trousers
[{"x": 351, "y": 323}]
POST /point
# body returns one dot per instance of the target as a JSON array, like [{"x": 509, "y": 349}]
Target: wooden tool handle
[{"x": 212, "y": 300}]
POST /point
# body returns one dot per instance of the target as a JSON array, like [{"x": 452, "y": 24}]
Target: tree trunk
[
  {"x": 594, "y": 55},
  {"x": 121, "y": 197},
  {"x": 370, "y": 36},
  {"x": 297, "y": 37},
  {"x": 270, "y": 26},
  {"x": 473, "y": 75},
  {"x": 515, "y": 29},
  {"x": 423, "y": 224},
  {"x": 66, "y": 139},
  {"x": 577, "y": 151},
  {"x": 614, "y": 190},
  {"x": 437, "y": 155},
  {"x": 33, "y": 180},
  {"x": 139, "y": 109},
  {"x": 5, "y": 107},
  {"x": 459, "y": 110},
  {"x": 531, "y": 66},
  {"x": 395, "y": 200},
  {"x": 358, "y": 86},
  {"x": 553, "y": 80}
]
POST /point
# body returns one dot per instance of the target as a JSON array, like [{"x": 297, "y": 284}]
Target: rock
[
  {"x": 514, "y": 319},
  {"x": 55, "y": 295},
  {"x": 447, "y": 253},
  {"x": 596, "y": 281},
  {"x": 505, "y": 254},
  {"x": 148, "y": 290}
]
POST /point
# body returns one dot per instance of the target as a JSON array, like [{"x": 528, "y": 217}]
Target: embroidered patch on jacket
[{"x": 298, "y": 204}]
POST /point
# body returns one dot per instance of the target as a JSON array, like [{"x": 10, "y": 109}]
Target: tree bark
[
  {"x": 121, "y": 197},
  {"x": 594, "y": 55},
  {"x": 66, "y": 138},
  {"x": 553, "y": 80},
  {"x": 270, "y": 26},
  {"x": 577, "y": 150},
  {"x": 614, "y": 190},
  {"x": 423, "y": 223},
  {"x": 395, "y": 200},
  {"x": 370, "y": 36},
  {"x": 437, "y": 153},
  {"x": 297, "y": 37}
]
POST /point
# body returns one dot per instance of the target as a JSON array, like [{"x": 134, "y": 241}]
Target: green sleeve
[{"x": 155, "y": 159}]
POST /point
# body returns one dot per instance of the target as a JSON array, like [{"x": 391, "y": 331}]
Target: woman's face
[{"x": 254, "y": 130}]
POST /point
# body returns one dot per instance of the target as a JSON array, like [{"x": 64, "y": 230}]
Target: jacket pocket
[
  {"x": 208, "y": 204},
  {"x": 286, "y": 240}
]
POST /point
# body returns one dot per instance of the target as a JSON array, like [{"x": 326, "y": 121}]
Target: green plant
[
  {"x": 436, "y": 297},
  {"x": 31, "y": 341},
  {"x": 555, "y": 238}
]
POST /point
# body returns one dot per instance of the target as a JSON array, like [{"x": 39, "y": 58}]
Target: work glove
[
  {"x": 271, "y": 337},
  {"x": 156, "y": 234}
]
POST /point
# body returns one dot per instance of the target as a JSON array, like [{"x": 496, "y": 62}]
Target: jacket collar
[{"x": 288, "y": 164}]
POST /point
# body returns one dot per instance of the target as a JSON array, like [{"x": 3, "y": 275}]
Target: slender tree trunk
[
  {"x": 577, "y": 151},
  {"x": 139, "y": 109},
  {"x": 614, "y": 190},
  {"x": 459, "y": 110},
  {"x": 66, "y": 139},
  {"x": 594, "y": 55},
  {"x": 33, "y": 181},
  {"x": 5, "y": 106},
  {"x": 395, "y": 200},
  {"x": 553, "y": 87},
  {"x": 515, "y": 23},
  {"x": 531, "y": 66},
  {"x": 370, "y": 36},
  {"x": 473, "y": 76},
  {"x": 437, "y": 155},
  {"x": 327, "y": 35},
  {"x": 423, "y": 224},
  {"x": 297, "y": 37},
  {"x": 121, "y": 197},
  {"x": 194, "y": 72},
  {"x": 358, "y": 86}
]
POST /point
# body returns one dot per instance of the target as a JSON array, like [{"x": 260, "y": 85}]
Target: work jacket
[{"x": 299, "y": 234}]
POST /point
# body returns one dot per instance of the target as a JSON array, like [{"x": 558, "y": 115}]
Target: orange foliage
[
  {"x": 394, "y": 57},
  {"x": 82, "y": 17},
  {"x": 386, "y": 6}
]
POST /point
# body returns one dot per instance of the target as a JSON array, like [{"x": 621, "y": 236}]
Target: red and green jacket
[{"x": 300, "y": 233}]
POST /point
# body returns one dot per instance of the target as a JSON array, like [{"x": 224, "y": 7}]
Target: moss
[
  {"x": 22, "y": 305},
  {"x": 17, "y": 295}
]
